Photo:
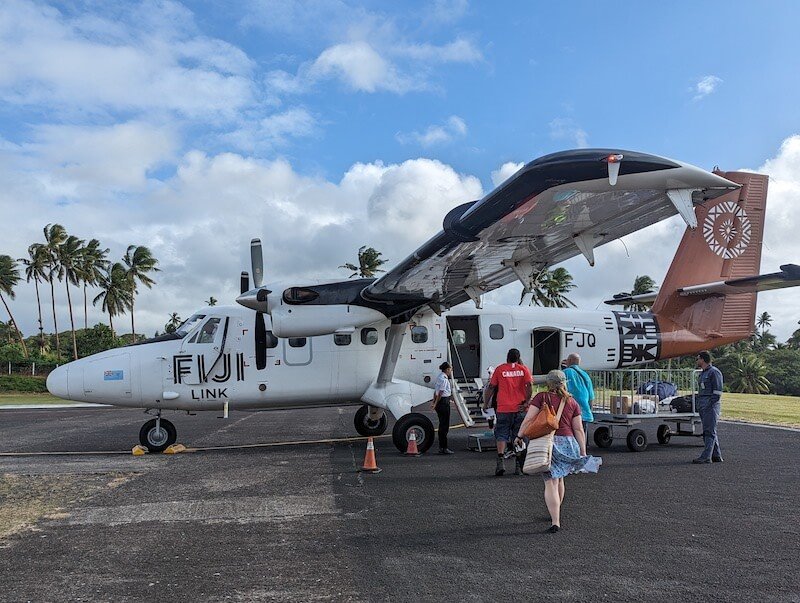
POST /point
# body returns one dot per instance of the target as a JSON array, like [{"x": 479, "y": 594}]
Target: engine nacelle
[{"x": 310, "y": 321}]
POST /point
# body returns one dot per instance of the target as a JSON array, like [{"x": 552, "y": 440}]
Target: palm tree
[
  {"x": 174, "y": 322},
  {"x": 369, "y": 263},
  {"x": 90, "y": 268},
  {"x": 54, "y": 236},
  {"x": 794, "y": 340},
  {"x": 763, "y": 321},
  {"x": 641, "y": 285},
  {"x": 749, "y": 375},
  {"x": 9, "y": 277},
  {"x": 36, "y": 271},
  {"x": 140, "y": 262},
  {"x": 556, "y": 285},
  {"x": 69, "y": 257},
  {"x": 115, "y": 295},
  {"x": 211, "y": 301}
]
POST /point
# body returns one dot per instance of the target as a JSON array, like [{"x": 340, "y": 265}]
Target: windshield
[{"x": 190, "y": 324}]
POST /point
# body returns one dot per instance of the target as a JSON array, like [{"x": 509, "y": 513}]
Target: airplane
[{"x": 377, "y": 343}]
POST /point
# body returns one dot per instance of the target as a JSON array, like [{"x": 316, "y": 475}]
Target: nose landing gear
[{"x": 158, "y": 434}]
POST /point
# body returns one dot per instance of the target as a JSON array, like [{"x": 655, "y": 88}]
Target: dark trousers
[{"x": 443, "y": 412}]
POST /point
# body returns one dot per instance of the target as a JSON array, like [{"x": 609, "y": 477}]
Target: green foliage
[
  {"x": 20, "y": 383},
  {"x": 550, "y": 289},
  {"x": 783, "y": 371},
  {"x": 11, "y": 352},
  {"x": 97, "y": 339},
  {"x": 748, "y": 375},
  {"x": 369, "y": 263},
  {"x": 641, "y": 285}
]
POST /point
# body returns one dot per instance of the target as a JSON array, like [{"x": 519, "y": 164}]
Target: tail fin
[{"x": 725, "y": 245}]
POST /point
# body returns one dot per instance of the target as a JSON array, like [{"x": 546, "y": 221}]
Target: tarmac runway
[{"x": 300, "y": 523}]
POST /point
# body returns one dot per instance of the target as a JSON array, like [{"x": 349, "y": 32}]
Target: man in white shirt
[{"x": 441, "y": 404}]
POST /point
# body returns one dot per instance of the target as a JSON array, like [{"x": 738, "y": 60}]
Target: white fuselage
[{"x": 185, "y": 374}]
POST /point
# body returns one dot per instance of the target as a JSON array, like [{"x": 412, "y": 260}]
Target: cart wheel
[
  {"x": 602, "y": 437},
  {"x": 637, "y": 440},
  {"x": 664, "y": 434}
]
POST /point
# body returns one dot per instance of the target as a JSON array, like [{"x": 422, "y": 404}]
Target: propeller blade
[
  {"x": 244, "y": 283},
  {"x": 257, "y": 261}
]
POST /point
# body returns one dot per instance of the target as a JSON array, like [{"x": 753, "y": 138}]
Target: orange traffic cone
[
  {"x": 370, "y": 465},
  {"x": 412, "y": 449}
]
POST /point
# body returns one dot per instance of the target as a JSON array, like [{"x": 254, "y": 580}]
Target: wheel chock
[
  {"x": 138, "y": 450},
  {"x": 174, "y": 449}
]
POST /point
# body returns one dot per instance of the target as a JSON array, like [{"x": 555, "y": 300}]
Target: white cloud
[
  {"x": 505, "y": 172},
  {"x": 458, "y": 51},
  {"x": 705, "y": 86},
  {"x": 274, "y": 130},
  {"x": 447, "y": 11},
  {"x": 199, "y": 220},
  {"x": 156, "y": 61},
  {"x": 454, "y": 127},
  {"x": 566, "y": 128},
  {"x": 360, "y": 67},
  {"x": 115, "y": 157}
]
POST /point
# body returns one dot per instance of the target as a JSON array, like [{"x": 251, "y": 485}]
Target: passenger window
[
  {"x": 297, "y": 342},
  {"x": 369, "y": 336},
  {"x": 342, "y": 338},
  {"x": 419, "y": 334},
  {"x": 209, "y": 331},
  {"x": 459, "y": 337},
  {"x": 272, "y": 341},
  {"x": 496, "y": 331}
]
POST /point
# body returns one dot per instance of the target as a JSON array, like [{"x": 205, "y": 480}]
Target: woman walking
[{"x": 569, "y": 445}]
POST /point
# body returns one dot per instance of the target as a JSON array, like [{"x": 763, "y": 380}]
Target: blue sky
[{"x": 320, "y": 126}]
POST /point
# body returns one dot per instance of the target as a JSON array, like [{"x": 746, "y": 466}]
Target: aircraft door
[
  {"x": 463, "y": 335},
  {"x": 297, "y": 351},
  {"x": 546, "y": 344},
  {"x": 202, "y": 354}
]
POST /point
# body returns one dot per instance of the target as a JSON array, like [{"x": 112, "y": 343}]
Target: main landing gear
[
  {"x": 370, "y": 421},
  {"x": 416, "y": 423},
  {"x": 158, "y": 434}
]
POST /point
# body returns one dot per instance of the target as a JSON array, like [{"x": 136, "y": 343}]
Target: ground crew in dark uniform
[{"x": 708, "y": 405}]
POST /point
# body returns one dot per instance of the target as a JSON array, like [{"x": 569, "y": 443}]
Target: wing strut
[
  {"x": 391, "y": 352},
  {"x": 682, "y": 200}
]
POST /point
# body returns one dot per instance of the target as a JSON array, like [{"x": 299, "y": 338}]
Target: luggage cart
[{"x": 623, "y": 401}]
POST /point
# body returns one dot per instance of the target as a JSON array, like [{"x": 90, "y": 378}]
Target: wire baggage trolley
[{"x": 627, "y": 398}]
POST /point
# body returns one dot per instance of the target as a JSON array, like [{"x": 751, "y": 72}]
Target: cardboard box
[{"x": 626, "y": 405}]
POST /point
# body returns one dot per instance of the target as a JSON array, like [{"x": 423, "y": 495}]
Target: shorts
[{"x": 507, "y": 425}]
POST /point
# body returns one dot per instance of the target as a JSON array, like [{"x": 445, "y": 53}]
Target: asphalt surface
[{"x": 300, "y": 523}]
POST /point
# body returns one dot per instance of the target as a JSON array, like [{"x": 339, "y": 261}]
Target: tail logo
[{"x": 726, "y": 229}]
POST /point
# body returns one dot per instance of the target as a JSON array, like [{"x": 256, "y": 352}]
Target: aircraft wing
[{"x": 549, "y": 211}]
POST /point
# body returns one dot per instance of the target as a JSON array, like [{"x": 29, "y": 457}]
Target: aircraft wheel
[
  {"x": 415, "y": 423},
  {"x": 637, "y": 440},
  {"x": 664, "y": 434},
  {"x": 602, "y": 437},
  {"x": 366, "y": 426},
  {"x": 157, "y": 440}
]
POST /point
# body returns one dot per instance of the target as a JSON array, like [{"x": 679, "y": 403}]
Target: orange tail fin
[{"x": 725, "y": 245}]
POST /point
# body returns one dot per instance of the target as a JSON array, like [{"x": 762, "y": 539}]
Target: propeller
[
  {"x": 244, "y": 283},
  {"x": 257, "y": 261}
]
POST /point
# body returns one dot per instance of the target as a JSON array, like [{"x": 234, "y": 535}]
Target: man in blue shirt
[
  {"x": 708, "y": 405},
  {"x": 580, "y": 387}
]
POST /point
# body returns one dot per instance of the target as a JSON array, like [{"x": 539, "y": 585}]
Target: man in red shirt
[{"x": 513, "y": 383}]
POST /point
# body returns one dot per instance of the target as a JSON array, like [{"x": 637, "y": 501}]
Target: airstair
[{"x": 466, "y": 395}]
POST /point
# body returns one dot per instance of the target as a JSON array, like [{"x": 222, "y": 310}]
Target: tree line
[{"x": 80, "y": 265}]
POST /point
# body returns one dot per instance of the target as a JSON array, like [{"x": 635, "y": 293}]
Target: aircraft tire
[
  {"x": 602, "y": 437},
  {"x": 150, "y": 439},
  {"x": 664, "y": 434},
  {"x": 364, "y": 426},
  {"x": 637, "y": 440},
  {"x": 422, "y": 427}
]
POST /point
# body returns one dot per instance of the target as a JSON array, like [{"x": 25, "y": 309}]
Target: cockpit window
[
  {"x": 209, "y": 331},
  {"x": 188, "y": 325}
]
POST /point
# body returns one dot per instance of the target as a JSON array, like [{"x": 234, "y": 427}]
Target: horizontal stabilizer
[
  {"x": 623, "y": 299},
  {"x": 789, "y": 276}
]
